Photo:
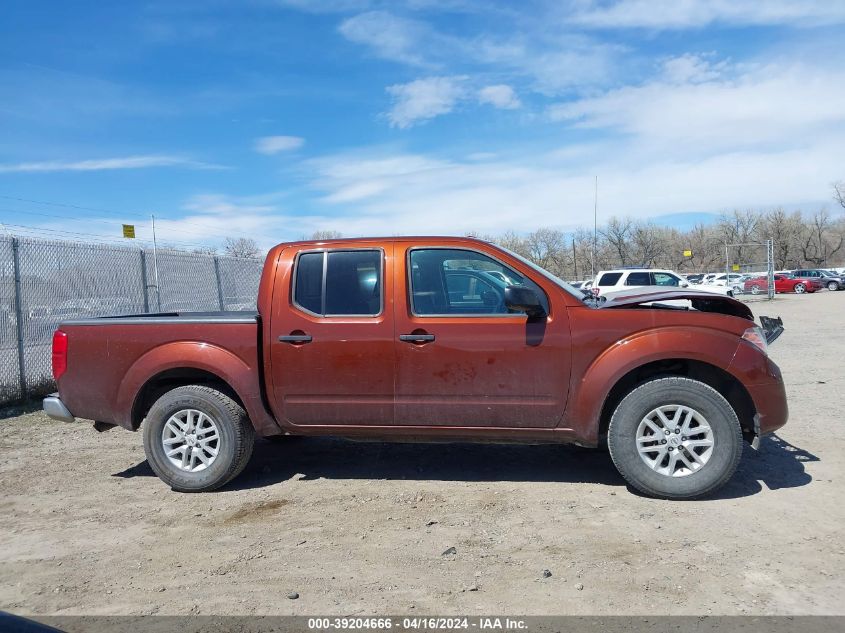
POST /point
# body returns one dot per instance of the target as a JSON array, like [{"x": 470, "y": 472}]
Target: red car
[{"x": 783, "y": 283}]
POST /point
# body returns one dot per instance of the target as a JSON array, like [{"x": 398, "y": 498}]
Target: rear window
[
  {"x": 339, "y": 283},
  {"x": 609, "y": 279}
]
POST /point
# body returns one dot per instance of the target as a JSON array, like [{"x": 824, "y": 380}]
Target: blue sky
[{"x": 273, "y": 119}]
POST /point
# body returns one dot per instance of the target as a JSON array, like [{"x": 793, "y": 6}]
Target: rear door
[
  {"x": 331, "y": 336},
  {"x": 462, "y": 359}
]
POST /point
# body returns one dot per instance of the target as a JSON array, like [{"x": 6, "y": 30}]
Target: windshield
[{"x": 578, "y": 294}]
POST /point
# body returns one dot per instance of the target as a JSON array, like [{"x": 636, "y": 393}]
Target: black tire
[
  {"x": 725, "y": 427},
  {"x": 235, "y": 444}
]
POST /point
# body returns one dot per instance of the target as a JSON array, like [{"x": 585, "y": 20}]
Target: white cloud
[
  {"x": 704, "y": 135},
  {"x": 758, "y": 106},
  {"x": 389, "y": 36},
  {"x": 424, "y": 99},
  {"x": 452, "y": 196},
  {"x": 692, "y": 68},
  {"x": 274, "y": 144},
  {"x": 500, "y": 96},
  {"x": 102, "y": 164},
  {"x": 681, "y": 14},
  {"x": 537, "y": 49}
]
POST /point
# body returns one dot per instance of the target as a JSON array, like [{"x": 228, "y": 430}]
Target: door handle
[
  {"x": 295, "y": 338},
  {"x": 416, "y": 338}
]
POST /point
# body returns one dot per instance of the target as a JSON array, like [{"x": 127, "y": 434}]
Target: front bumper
[{"x": 56, "y": 409}]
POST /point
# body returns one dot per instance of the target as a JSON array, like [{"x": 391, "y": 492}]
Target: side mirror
[{"x": 524, "y": 299}]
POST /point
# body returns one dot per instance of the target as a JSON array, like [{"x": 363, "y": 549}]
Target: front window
[
  {"x": 665, "y": 279},
  {"x": 446, "y": 281}
]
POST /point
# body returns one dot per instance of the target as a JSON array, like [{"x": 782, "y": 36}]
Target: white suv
[{"x": 632, "y": 278}]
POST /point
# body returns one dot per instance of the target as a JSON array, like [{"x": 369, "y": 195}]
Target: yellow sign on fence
[
  {"x": 687, "y": 253},
  {"x": 129, "y": 231},
  {"x": 735, "y": 268}
]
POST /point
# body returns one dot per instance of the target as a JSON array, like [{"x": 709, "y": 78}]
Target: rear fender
[
  {"x": 231, "y": 369},
  {"x": 713, "y": 347}
]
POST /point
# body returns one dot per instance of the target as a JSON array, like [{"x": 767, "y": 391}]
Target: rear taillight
[{"x": 59, "y": 353}]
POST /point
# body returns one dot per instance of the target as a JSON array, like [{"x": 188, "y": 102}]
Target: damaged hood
[{"x": 699, "y": 300}]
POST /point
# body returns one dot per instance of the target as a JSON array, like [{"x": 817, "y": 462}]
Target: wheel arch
[
  {"x": 169, "y": 379},
  {"x": 722, "y": 381},
  {"x": 190, "y": 362}
]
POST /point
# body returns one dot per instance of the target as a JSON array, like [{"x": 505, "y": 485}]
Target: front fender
[{"x": 706, "y": 345}]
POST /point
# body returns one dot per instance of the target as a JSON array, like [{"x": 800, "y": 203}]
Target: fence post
[
  {"x": 219, "y": 284},
  {"x": 16, "y": 259},
  {"x": 144, "y": 281}
]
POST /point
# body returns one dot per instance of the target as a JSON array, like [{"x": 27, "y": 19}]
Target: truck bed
[{"x": 110, "y": 358}]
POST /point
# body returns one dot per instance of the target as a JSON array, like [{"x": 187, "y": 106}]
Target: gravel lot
[{"x": 360, "y": 528}]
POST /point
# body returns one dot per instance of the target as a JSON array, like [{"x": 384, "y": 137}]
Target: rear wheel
[
  {"x": 197, "y": 438},
  {"x": 800, "y": 289},
  {"x": 675, "y": 438}
]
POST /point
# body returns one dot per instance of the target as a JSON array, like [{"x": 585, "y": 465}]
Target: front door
[
  {"x": 461, "y": 358},
  {"x": 331, "y": 336}
]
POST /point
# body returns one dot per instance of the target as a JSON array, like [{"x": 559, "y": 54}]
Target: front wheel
[
  {"x": 755, "y": 289},
  {"x": 675, "y": 438},
  {"x": 197, "y": 438}
]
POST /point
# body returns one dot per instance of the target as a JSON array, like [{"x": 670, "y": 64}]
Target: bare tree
[
  {"x": 513, "y": 242},
  {"x": 646, "y": 244},
  {"x": 326, "y": 235},
  {"x": 820, "y": 242},
  {"x": 839, "y": 192},
  {"x": 784, "y": 230},
  {"x": 617, "y": 234},
  {"x": 546, "y": 248},
  {"x": 245, "y": 247}
]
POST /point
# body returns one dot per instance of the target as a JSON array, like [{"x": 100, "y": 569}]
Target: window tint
[
  {"x": 352, "y": 283},
  {"x": 610, "y": 279},
  {"x": 309, "y": 282},
  {"x": 665, "y": 279},
  {"x": 638, "y": 279},
  {"x": 454, "y": 281}
]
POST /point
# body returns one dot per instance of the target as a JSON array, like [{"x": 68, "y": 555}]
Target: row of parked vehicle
[
  {"x": 800, "y": 281},
  {"x": 805, "y": 280}
]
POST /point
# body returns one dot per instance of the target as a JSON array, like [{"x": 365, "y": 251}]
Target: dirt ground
[{"x": 362, "y": 529}]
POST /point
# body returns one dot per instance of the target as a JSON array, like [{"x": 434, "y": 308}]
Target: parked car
[
  {"x": 631, "y": 278},
  {"x": 695, "y": 278},
  {"x": 408, "y": 339},
  {"x": 783, "y": 283},
  {"x": 825, "y": 277},
  {"x": 729, "y": 279}
]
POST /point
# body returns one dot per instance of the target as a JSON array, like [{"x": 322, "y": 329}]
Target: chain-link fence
[
  {"x": 750, "y": 268},
  {"x": 43, "y": 283}
]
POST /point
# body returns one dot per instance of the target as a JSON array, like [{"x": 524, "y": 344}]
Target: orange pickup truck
[{"x": 431, "y": 339}]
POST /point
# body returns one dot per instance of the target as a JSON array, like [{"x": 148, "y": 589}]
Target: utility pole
[
  {"x": 155, "y": 265},
  {"x": 595, "y": 229}
]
